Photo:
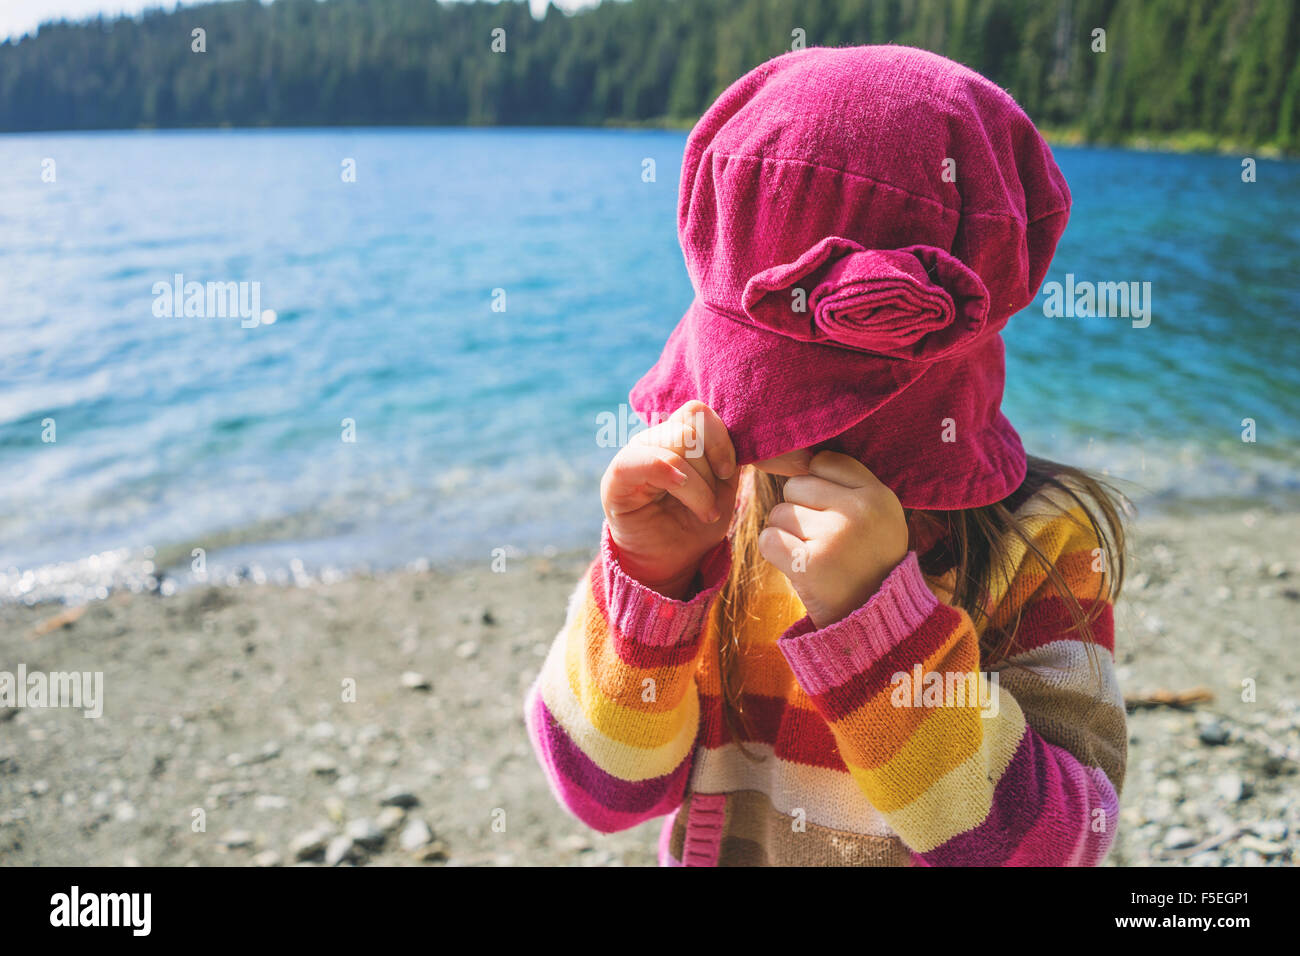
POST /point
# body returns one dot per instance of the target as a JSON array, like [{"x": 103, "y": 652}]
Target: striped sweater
[{"x": 879, "y": 740}]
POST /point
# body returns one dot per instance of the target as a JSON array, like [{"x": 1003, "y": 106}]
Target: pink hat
[{"x": 858, "y": 225}]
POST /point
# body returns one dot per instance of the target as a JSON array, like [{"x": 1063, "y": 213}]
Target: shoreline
[
  {"x": 1179, "y": 142},
  {"x": 232, "y": 701}
]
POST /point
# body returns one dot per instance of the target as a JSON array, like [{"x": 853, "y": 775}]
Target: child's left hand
[{"x": 836, "y": 536}]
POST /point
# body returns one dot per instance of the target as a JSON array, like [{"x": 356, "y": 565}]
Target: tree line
[{"x": 1108, "y": 70}]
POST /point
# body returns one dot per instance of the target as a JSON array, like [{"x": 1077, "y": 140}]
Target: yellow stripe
[
  {"x": 625, "y": 760},
  {"x": 960, "y": 800}
]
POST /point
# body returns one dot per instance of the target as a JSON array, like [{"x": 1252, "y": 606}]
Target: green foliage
[{"x": 1200, "y": 70}]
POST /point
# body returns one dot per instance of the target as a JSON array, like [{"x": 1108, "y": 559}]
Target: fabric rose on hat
[{"x": 918, "y": 303}]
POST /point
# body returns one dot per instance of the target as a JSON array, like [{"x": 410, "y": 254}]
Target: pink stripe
[
  {"x": 665, "y": 841},
  {"x": 557, "y": 755},
  {"x": 704, "y": 825}
]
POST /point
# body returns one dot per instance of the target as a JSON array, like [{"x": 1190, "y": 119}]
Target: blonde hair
[{"x": 973, "y": 545}]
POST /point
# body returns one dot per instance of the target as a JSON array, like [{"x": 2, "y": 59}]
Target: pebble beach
[{"x": 377, "y": 719}]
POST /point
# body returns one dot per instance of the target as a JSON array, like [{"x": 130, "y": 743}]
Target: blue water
[{"x": 476, "y": 429}]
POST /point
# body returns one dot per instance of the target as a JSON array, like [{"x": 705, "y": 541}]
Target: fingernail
[{"x": 681, "y": 477}]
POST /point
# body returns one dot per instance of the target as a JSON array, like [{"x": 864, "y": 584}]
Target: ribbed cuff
[
  {"x": 644, "y": 615},
  {"x": 827, "y": 658}
]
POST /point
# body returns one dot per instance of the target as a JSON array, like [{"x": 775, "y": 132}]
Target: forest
[{"x": 1204, "y": 72}]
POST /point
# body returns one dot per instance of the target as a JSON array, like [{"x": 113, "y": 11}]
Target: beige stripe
[
  {"x": 758, "y": 834},
  {"x": 1064, "y": 666},
  {"x": 1072, "y": 713},
  {"x": 829, "y": 798}
]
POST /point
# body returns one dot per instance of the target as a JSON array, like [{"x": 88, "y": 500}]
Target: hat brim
[{"x": 775, "y": 394}]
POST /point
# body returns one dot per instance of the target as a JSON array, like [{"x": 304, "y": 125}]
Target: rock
[
  {"x": 1270, "y": 830},
  {"x": 270, "y": 801},
  {"x": 268, "y": 752},
  {"x": 1179, "y": 838},
  {"x": 466, "y": 649},
  {"x": 413, "y": 680},
  {"x": 435, "y": 852},
  {"x": 1262, "y": 847},
  {"x": 309, "y": 845},
  {"x": 39, "y": 788},
  {"x": 235, "y": 839},
  {"x": 339, "y": 850},
  {"x": 365, "y": 833},
  {"x": 1214, "y": 734},
  {"x": 321, "y": 765},
  {"x": 398, "y": 797},
  {"x": 1230, "y": 787},
  {"x": 124, "y": 812},
  {"x": 334, "y": 809},
  {"x": 390, "y": 818},
  {"x": 267, "y": 858},
  {"x": 415, "y": 836}
]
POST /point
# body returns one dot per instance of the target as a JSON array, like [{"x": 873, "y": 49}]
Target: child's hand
[
  {"x": 836, "y": 536},
  {"x": 668, "y": 497}
]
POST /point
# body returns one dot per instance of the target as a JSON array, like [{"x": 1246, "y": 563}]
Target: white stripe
[{"x": 829, "y": 798}]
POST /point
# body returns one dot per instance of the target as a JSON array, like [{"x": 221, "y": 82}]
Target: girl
[{"x": 889, "y": 641}]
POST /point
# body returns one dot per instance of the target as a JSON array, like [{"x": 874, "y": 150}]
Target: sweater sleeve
[
  {"x": 1018, "y": 766},
  {"x": 613, "y": 715}
]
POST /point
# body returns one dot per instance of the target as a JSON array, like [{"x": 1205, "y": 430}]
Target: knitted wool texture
[{"x": 626, "y": 719}]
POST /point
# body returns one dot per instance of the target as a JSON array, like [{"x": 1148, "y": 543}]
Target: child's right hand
[{"x": 668, "y": 497}]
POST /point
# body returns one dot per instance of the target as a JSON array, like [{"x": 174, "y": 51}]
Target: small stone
[
  {"x": 415, "y": 835},
  {"x": 434, "y": 852},
  {"x": 413, "y": 680},
  {"x": 1270, "y": 830},
  {"x": 267, "y": 858},
  {"x": 40, "y": 788},
  {"x": 1214, "y": 734},
  {"x": 390, "y": 818},
  {"x": 340, "y": 849},
  {"x": 1230, "y": 788},
  {"x": 365, "y": 833},
  {"x": 1179, "y": 838},
  {"x": 466, "y": 649},
  {"x": 1262, "y": 847},
  {"x": 270, "y": 801},
  {"x": 398, "y": 797},
  {"x": 321, "y": 765},
  {"x": 124, "y": 812},
  {"x": 309, "y": 845},
  {"x": 334, "y": 809},
  {"x": 235, "y": 839}
]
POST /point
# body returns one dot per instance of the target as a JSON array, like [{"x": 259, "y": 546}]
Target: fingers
[
  {"x": 788, "y": 465},
  {"x": 810, "y": 491},
  {"x": 782, "y": 549},
  {"x": 803, "y": 523},
  {"x": 704, "y": 433},
  {"x": 642, "y": 473},
  {"x": 842, "y": 469}
]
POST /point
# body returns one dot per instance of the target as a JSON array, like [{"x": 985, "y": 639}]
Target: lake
[{"x": 475, "y": 429}]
